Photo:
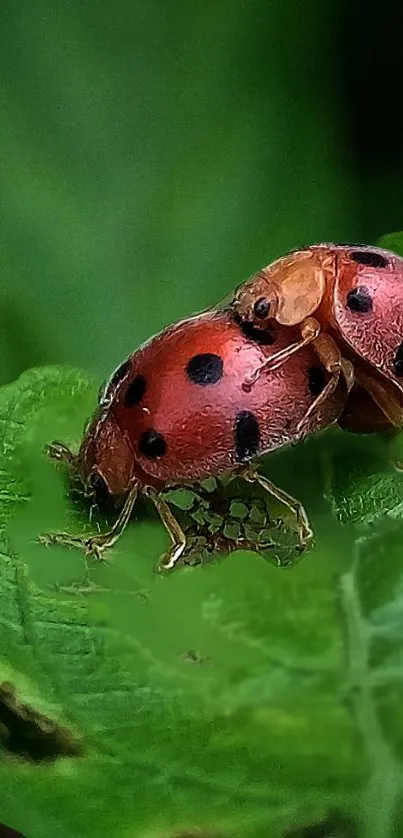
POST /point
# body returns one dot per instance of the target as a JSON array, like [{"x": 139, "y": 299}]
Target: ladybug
[
  {"x": 347, "y": 300},
  {"x": 180, "y": 409}
]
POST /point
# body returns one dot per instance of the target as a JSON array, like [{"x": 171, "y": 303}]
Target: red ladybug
[
  {"x": 348, "y": 302},
  {"x": 180, "y": 410}
]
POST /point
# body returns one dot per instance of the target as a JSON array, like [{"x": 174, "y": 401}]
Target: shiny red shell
[
  {"x": 355, "y": 293},
  {"x": 179, "y": 409},
  {"x": 364, "y": 303}
]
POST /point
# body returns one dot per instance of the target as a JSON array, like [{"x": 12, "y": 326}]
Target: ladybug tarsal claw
[
  {"x": 169, "y": 560},
  {"x": 178, "y": 537},
  {"x": 92, "y": 546}
]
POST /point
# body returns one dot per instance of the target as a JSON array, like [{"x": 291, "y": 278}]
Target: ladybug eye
[{"x": 261, "y": 308}]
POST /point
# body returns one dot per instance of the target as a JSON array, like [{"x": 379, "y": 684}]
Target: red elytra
[
  {"x": 180, "y": 409},
  {"x": 354, "y": 294}
]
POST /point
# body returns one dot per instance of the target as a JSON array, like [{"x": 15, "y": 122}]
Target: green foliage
[
  {"x": 393, "y": 241},
  {"x": 155, "y": 155},
  {"x": 235, "y": 697},
  {"x": 153, "y": 158}
]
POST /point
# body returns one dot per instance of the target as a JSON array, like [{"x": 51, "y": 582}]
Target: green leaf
[
  {"x": 235, "y": 698},
  {"x": 393, "y": 242}
]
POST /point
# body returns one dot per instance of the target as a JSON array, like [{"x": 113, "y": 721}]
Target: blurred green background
[{"x": 153, "y": 154}]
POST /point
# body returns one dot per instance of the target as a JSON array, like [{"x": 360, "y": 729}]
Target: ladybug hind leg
[
  {"x": 95, "y": 545},
  {"x": 304, "y": 527},
  {"x": 178, "y": 537},
  {"x": 329, "y": 354}
]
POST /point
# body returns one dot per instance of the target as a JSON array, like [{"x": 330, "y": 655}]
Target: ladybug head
[
  {"x": 287, "y": 290},
  {"x": 105, "y": 459},
  {"x": 256, "y": 301}
]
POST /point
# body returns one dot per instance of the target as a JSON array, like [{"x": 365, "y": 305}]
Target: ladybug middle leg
[
  {"x": 327, "y": 352},
  {"x": 330, "y": 356},
  {"x": 304, "y": 528},
  {"x": 310, "y": 331}
]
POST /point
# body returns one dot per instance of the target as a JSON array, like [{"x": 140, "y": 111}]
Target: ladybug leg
[
  {"x": 176, "y": 533},
  {"x": 60, "y": 452},
  {"x": 383, "y": 397},
  {"x": 310, "y": 330},
  {"x": 304, "y": 528},
  {"x": 94, "y": 545},
  {"x": 329, "y": 354}
]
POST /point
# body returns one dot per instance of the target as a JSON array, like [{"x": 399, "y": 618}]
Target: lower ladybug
[
  {"x": 347, "y": 301},
  {"x": 180, "y": 409}
]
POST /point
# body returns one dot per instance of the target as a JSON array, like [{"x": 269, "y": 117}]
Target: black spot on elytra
[
  {"x": 135, "y": 391},
  {"x": 316, "y": 380},
  {"x": 247, "y": 435},
  {"x": 152, "y": 444},
  {"x": 205, "y": 368},
  {"x": 263, "y": 336},
  {"x": 359, "y": 300},
  {"x": 369, "y": 258},
  {"x": 398, "y": 362}
]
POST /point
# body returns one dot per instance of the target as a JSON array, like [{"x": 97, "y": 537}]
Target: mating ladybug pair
[{"x": 314, "y": 338}]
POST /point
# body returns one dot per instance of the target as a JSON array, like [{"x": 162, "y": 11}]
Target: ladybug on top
[{"x": 347, "y": 301}]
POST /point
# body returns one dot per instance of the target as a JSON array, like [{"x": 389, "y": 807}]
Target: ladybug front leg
[
  {"x": 329, "y": 354},
  {"x": 304, "y": 528},
  {"x": 310, "y": 330},
  {"x": 95, "y": 545},
  {"x": 175, "y": 531}
]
